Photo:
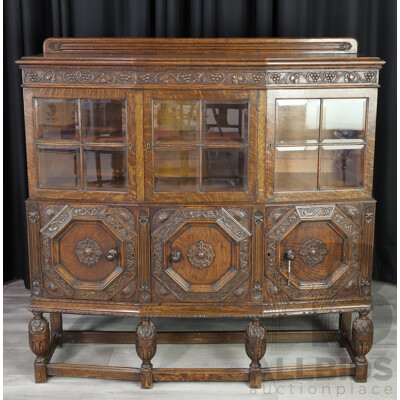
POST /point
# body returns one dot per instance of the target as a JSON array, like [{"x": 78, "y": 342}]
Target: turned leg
[
  {"x": 56, "y": 326},
  {"x": 344, "y": 327},
  {"x": 256, "y": 344},
  {"x": 146, "y": 344},
  {"x": 39, "y": 340},
  {"x": 361, "y": 340}
]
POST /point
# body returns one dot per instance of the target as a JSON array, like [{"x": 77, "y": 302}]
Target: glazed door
[
  {"x": 312, "y": 252},
  {"x": 320, "y": 143},
  {"x": 81, "y": 143},
  {"x": 89, "y": 252},
  {"x": 200, "y": 254},
  {"x": 200, "y": 145}
]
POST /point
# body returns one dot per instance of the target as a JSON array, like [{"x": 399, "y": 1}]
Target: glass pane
[
  {"x": 59, "y": 167},
  {"x": 297, "y": 121},
  {"x": 226, "y": 121},
  {"x": 56, "y": 119},
  {"x": 103, "y": 121},
  {"x": 343, "y": 120},
  {"x": 224, "y": 169},
  {"x": 296, "y": 168},
  {"x": 176, "y": 121},
  {"x": 341, "y": 166},
  {"x": 176, "y": 170},
  {"x": 105, "y": 169}
]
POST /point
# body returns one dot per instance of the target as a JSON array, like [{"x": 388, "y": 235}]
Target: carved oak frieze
[{"x": 205, "y": 77}]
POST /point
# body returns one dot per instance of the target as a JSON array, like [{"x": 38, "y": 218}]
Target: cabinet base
[{"x": 254, "y": 377}]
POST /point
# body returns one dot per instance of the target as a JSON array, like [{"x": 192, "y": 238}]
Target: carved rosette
[
  {"x": 201, "y": 255},
  {"x": 313, "y": 252},
  {"x": 362, "y": 336},
  {"x": 88, "y": 252},
  {"x": 146, "y": 342},
  {"x": 255, "y": 342},
  {"x": 39, "y": 335}
]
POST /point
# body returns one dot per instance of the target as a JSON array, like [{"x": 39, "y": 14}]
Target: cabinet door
[
  {"x": 200, "y": 254},
  {"x": 200, "y": 145},
  {"x": 80, "y": 144},
  {"x": 89, "y": 252},
  {"x": 312, "y": 252},
  {"x": 320, "y": 143}
]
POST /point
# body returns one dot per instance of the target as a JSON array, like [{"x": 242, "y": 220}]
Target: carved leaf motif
[
  {"x": 88, "y": 252},
  {"x": 201, "y": 255},
  {"x": 313, "y": 252}
]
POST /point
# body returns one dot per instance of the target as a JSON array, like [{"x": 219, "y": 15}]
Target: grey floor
[{"x": 18, "y": 359}]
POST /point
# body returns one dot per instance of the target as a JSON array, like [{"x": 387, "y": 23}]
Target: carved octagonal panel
[
  {"x": 88, "y": 252},
  {"x": 200, "y": 255},
  {"x": 312, "y": 252}
]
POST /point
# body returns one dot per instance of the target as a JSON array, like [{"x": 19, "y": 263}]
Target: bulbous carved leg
[
  {"x": 146, "y": 345},
  {"x": 256, "y": 344},
  {"x": 361, "y": 340},
  {"x": 39, "y": 341}
]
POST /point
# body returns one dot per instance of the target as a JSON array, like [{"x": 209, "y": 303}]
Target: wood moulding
[{"x": 261, "y": 78}]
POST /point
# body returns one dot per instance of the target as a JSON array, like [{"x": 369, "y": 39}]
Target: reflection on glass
[
  {"x": 297, "y": 121},
  {"x": 175, "y": 121},
  {"x": 176, "y": 170},
  {"x": 56, "y": 119},
  {"x": 104, "y": 169},
  {"x": 103, "y": 121},
  {"x": 59, "y": 167},
  {"x": 341, "y": 166},
  {"x": 226, "y": 121},
  {"x": 224, "y": 169},
  {"x": 296, "y": 168},
  {"x": 343, "y": 120}
]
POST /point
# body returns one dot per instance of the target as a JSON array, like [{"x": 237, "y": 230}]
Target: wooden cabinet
[
  {"x": 201, "y": 255},
  {"x": 200, "y": 178},
  {"x": 89, "y": 252}
]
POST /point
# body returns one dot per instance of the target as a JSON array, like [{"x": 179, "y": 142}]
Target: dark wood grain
[{"x": 253, "y": 251}]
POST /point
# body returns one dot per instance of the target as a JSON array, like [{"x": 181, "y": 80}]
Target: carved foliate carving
[
  {"x": 39, "y": 335},
  {"x": 362, "y": 336},
  {"x": 120, "y": 221},
  {"x": 146, "y": 342},
  {"x": 201, "y": 255},
  {"x": 206, "y": 77},
  {"x": 88, "y": 252},
  {"x": 144, "y": 291},
  {"x": 365, "y": 286},
  {"x": 369, "y": 214},
  {"x": 36, "y": 287},
  {"x": 255, "y": 343},
  {"x": 258, "y": 218},
  {"x": 257, "y": 291},
  {"x": 313, "y": 252}
]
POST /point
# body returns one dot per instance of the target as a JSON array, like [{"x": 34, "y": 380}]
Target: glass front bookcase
[
  {"x": 80, "y": 143},
  {"x": 318, "y": 140},
  {"x": 199, "y": 144}
]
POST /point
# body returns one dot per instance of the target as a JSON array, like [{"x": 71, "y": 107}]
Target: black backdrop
[{"x": 27, "y": 23}]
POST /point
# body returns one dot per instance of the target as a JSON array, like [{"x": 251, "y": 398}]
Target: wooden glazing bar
[{"x": 93, "y": 371}]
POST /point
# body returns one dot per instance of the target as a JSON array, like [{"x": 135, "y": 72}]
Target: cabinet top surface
[{"x": 221, "y": 51}]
